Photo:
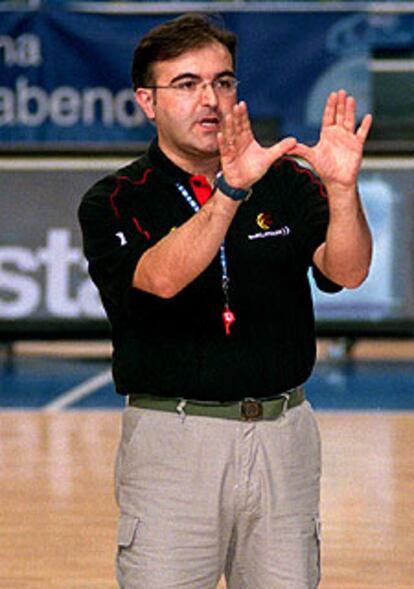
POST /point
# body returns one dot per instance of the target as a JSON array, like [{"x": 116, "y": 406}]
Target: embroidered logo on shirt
[
  {"x": 282, "y": 232},
  {"x": 264, "y": 220}
]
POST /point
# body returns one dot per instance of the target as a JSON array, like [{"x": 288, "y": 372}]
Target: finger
[
  {"x": 224, "y": 136},
  {"x": 328, "y": 117},
  {"x": 238, "y": 119},
  {"x": 283, "y": 147},
  {"x": 365, "y": 126},
  {"x": 221, "y": 142},
  {"x": 340, "y": 108},
  {"x": 227, "y": 126},
  {"x": 244, "y": 118},
  {"x": 228, "y": 133},
  {"x": 349, "y": 119}
]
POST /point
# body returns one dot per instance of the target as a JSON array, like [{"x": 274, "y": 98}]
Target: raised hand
[
  {"x": 337, "y": 156},
  {"x": 243, "y": 160}
]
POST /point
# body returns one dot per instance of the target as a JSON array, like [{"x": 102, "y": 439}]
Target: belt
[{"x": 248, "y": 409}]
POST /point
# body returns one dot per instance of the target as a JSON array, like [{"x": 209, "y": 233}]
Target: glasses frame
[{"x": 200, "y": 86}]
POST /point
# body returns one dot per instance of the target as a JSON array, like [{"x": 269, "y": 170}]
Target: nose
[{"x": 208, "y": 95}]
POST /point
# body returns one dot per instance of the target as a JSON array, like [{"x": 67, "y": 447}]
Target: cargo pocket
[
  {"x": 127, "y": 531},
  {"x": 127, "y": 528}
]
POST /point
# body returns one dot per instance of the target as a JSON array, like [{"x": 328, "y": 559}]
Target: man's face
[{"x": 188, "y": 124}]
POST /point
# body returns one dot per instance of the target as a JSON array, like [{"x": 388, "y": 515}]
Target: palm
[
  {"x": 247, "y": 163},
  {"x": 337, "y": 156},
  {"x": 243, "y": 160}
]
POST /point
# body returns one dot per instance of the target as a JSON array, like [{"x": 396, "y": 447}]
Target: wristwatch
[{"x": 230, "y": 191}]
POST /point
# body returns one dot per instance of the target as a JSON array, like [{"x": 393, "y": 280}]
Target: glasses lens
[{"x": 225, "y": 85}]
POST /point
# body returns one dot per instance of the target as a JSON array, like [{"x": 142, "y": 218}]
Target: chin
[{"x": 210, "y": 148}]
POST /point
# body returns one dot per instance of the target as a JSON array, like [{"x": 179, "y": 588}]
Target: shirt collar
[
  {"x": 197, "y": 183},
  {"x": 160, "y": 160}
]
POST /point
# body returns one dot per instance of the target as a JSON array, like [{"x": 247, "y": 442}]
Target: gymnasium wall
[{"x": 67, "y": 117}]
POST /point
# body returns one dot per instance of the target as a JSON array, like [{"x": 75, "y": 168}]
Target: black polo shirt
[{"x": 178, "y": 347}]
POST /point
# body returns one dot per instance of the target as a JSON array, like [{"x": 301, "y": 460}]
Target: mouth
[{"x": 210, "y": 123}]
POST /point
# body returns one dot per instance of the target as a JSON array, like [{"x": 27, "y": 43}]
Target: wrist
[
  {"x": 344, "y": 206},
  {"x": 335, "y": 189},
  {"x": 233, "y": 192}
]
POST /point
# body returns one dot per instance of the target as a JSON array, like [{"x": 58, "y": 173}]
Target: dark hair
[{"x": 173, "y": 38}]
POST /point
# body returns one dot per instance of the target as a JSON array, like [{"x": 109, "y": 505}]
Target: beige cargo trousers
[{"x": 199, "y": 496}]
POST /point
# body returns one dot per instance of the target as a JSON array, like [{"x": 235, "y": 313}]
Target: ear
[{"x": 145, "y": 99}]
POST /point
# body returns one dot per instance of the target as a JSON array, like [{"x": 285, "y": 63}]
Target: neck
[{"x": 195, "y": 164}]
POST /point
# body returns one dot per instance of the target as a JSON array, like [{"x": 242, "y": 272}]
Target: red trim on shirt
[
  {"x": 137, "y": 224},
  {"x": 301, "y": 170},
  {"x": 120, "y": 180}
]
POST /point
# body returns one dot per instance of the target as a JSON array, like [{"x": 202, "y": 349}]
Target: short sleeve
[
  {"x": 323, "y": 283},
  {"x": 113, "y": 239}
]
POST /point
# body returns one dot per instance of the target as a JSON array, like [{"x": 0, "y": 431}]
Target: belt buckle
[{"x": 251, "y": 410}]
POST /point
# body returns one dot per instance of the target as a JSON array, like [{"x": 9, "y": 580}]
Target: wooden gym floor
[{"x": 58, "y": 516}]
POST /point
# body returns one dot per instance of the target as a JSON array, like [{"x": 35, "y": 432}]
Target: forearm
[
  {"x": 345, "y": 257},
  {"x": 177, "y": 259}
]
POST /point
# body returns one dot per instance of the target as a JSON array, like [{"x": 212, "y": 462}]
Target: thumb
[
  {"x": 301, "y": 150},
  {"x": 282, "y": 147}
]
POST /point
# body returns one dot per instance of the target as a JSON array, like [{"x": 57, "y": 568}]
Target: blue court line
[
  {"x": 80, "y": 391},
  {"x": 34, "y": 383}
]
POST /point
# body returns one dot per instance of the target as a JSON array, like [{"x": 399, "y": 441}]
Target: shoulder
[
  {"x": 105, "y": 190},
  {"x": 134, "y": 173}
]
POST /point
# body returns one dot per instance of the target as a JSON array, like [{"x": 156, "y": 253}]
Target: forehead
[{"x": 206, "y": 62}]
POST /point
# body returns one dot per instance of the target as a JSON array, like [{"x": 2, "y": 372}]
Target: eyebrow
[{"x": 196, "y": 77}]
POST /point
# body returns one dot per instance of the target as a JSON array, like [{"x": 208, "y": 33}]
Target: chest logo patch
[{"x": 264, "y": 220}]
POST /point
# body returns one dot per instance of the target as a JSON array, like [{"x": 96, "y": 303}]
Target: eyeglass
[{"x": 191, "y": 87}]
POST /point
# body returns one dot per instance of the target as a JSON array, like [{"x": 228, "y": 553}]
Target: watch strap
[{"x": 233, "y": 193}]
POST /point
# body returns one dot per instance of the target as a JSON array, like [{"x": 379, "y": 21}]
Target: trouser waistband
[{"x": 248, "y": 409}]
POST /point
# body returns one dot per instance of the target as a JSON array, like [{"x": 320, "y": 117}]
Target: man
[{"x": 200, "y": 250}]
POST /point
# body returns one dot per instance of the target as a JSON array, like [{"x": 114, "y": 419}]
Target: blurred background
[{"x": 68, "y": 117}]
